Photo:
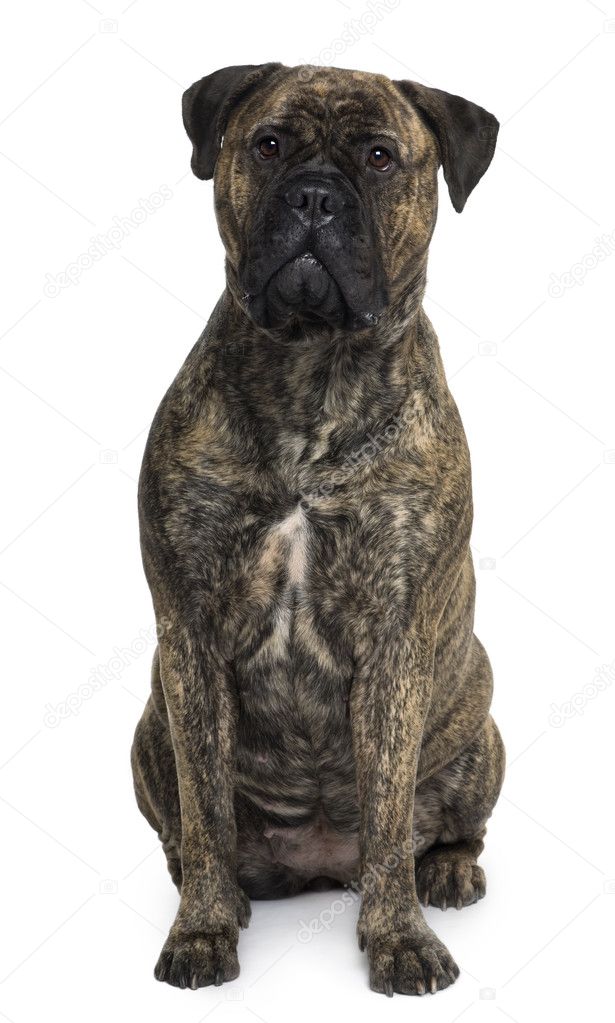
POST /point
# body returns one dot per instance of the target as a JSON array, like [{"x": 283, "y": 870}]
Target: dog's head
[{"x": 325, "y": 184}]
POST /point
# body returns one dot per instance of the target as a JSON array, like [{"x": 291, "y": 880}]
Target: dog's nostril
[
  {"x": 297, "y": 198},
  {"x": 328, "y": 203}
]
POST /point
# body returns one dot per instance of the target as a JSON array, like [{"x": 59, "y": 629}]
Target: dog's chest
[
  {"x": 294, "y": 748},
  {"x": 280, "y": 583}
]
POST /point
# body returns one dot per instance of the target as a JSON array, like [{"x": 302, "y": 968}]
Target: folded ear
[
  {"x": 465, "y": 132},
  {"x": 207, "y": 104}
]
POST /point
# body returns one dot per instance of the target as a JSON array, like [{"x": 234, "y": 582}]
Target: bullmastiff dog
[{"x": 319, "y": 712}]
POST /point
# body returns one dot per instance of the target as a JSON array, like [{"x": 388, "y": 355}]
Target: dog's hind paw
[
  {"x": 244, "y": 909},
  {"x": 449, "y": 879}
]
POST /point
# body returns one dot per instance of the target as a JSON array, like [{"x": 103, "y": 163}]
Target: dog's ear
[
  {"x": 465, "y": 132},
  {"x": 206, "y": 106}
]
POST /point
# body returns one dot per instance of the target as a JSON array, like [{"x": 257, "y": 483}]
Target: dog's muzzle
[{"x": 311, "y": 255}]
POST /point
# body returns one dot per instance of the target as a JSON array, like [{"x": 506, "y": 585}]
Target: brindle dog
[{"x": 320, "y": 705}]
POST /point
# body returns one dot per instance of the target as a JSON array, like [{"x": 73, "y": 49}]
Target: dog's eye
[
  {"x": 380, "y": 158},
  {"x": 269, "y": 147}
]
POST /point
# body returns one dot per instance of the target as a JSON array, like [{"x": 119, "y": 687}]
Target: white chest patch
[
  {"x": 290, "y": 538},
  {"x": 293, "y": 532}
]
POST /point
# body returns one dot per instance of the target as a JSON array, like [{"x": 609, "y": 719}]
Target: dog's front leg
[
  {"x": 202, "y": 945},
  {"x": 389, "y": 700}
]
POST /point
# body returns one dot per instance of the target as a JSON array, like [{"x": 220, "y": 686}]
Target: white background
[{"x": 90, "y": 125}]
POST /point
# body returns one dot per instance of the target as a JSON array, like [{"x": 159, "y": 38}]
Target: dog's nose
[{"x": 315, "y": 203}]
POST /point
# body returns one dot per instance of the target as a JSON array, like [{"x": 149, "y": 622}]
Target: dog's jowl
[{"x": 320, "y": 705}]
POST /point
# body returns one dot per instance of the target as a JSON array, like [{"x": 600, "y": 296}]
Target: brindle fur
[{"x": 320, "y": 706}]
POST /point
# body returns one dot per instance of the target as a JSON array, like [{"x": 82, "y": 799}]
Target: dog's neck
[{"x": 297, "y": 382}]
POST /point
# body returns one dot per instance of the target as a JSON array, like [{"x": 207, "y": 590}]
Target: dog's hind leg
[
  {"x": 155, "y": 776},
  {"x": 451, "y": 811}
]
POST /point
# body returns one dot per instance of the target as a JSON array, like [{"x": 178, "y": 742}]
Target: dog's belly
[
  {"x": 315, "y": 849},
  {"x": 294, "y": 750}
]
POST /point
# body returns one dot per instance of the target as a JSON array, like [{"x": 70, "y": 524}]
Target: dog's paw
[
  {"x": 445, "y": 881},
  {"x": 244, "y": 909},
  {"x": 409, "y": 963},
  {"x": 197, "y": 959}
]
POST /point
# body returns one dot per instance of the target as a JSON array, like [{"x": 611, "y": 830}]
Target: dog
[{"x": 319, "y": 712}]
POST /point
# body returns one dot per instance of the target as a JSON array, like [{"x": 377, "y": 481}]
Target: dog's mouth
[{"x": 304, "y": 289}]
